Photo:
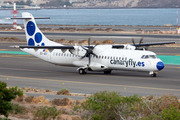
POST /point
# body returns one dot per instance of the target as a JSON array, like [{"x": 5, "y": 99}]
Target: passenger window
[
  {"x": 108, "y": 57},
  {"x": 119, "y": 58},
  {"x": 99, "y": 56},
  {"x": 70, "y": 55},
  {"x": 105, "y": 57},
  {"x": 64, "y": 54},
  {"x": 102, "y": 57},
  {"x": 56, "y": 54},
  {"x": 116, "y": 58}
]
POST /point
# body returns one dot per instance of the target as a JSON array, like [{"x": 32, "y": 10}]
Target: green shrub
[
  {"x": 173, "y": 113},
  {"x": 16, "y": 109},
  {"x": 6, "y": 96},
  {"x": 152, "y": 106},
  {"x": 63, "y": 91},
  {"x": 108, "y": 106},
  {"x": 45, "y": 112}
]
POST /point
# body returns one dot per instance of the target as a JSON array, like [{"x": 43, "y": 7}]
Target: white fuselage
[{"x": 108, "y": 59}]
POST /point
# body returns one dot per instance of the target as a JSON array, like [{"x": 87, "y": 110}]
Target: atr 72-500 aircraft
[{"x": 102, "y": 58}]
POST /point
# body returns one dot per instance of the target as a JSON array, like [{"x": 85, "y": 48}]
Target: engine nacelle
[
  {"x": 129, "y": 47},
  {"x": 97, "y": 67},
  {"x": 78, "y": 51}
]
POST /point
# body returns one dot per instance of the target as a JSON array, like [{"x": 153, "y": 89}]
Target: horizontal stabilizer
[
  {"x": 31, "y": 18},
  {"x": 45, "y": 47}
]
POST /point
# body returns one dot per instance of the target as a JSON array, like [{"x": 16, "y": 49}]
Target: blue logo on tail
[{"x": 31, "y": 28}]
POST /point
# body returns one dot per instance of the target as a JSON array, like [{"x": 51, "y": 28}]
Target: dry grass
[
  {"x": 64, "y": 92},
  {"x": 39, "y": 99},
  {"x": 11, "y": 39},
  {"x": 32, "y": 103},
  {"x": 108, "y": 42},
  {"x": 62, "y": 102},
  {"x": 29, "y": 99}
]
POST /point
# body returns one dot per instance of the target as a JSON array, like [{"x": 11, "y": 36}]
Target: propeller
[
  {"x": 137, "y": 46},
  {"x": 89, "y": 51}
]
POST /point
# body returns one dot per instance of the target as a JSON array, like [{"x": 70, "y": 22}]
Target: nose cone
[{"x": 160, "y": 65}]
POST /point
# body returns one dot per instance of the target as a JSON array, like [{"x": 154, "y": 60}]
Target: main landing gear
[
  {"x": 107, "y": 72},
  {"x": 82, "y": 71},
  {"x": 153, "y": 74}
]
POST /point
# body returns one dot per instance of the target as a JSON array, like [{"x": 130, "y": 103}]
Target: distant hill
[
  {"x": 127, "y": 3},
  {"x": 159, "y": 3}
]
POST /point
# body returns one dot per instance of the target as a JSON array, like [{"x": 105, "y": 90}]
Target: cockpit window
[
  {"x": 152, "y": 56},
  {"x": 142, "y": 56},
  {"x": 146, "y": 57},
  {"x": 149, "y": 57}
]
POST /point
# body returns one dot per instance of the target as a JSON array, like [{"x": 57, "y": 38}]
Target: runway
[{"x": 28, "y": 71}]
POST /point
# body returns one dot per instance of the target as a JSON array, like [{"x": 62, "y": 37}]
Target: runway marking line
[
  {"x": 32, "y": 70},
  {"x": 173, "y": 67},
  {"x": 19, "y": 56},
  {"x": 140, "y": 87}
]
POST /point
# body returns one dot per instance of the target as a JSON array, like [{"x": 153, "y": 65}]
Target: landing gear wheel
[
  {"x": 153, "y": 75},
  {"x": 107, "y": 72},
  {"x": 82, "y": 71}
]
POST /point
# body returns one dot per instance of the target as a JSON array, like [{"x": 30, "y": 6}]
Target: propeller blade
[
  {"x": 89, "y": 60},
  {"x": 89, "y": 41},
  {"x": 95, "y": 46},
  {"x": 83, "y": 57},
  {"x": 133, "y": 41},
  {"x": 141, "y": 40},
  {"x": 84, "y": 48},
  {"x": 94, "y": 54}
]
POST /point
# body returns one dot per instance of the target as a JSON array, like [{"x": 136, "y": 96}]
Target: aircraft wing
[
  {"x": 151, "y": 44},
  {"x": 45, "y": 47}
]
